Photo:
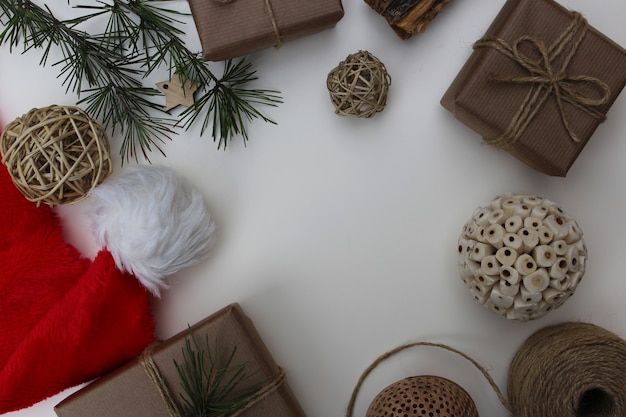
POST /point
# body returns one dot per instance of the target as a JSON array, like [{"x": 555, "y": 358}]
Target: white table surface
[{"x": 338, "y": 235}]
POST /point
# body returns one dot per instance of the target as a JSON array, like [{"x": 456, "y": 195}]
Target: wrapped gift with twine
[
  {"x": 234, "y": 28},
  {"x": 151, "y": 386},
  {"x": 538, "y": 84}
]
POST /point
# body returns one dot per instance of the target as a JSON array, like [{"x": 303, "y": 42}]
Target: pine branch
[
  {"x": 229, "y": 105},
  {"x": 224, "y": 101},
  {"x": 138, "y": 39}
]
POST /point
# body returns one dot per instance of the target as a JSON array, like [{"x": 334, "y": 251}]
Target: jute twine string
[
  {"x": 569, "y": 370},
  {"x": 547, "y": 78},
  {"x": 566, "y": 370},
  {"x": 399, "y": 349},
  {"x": 272, "y": 16},
  {"x": 358, "y": 86},
  {"x": 56, "y": 154},
  {"x": 277, "y": 35},
  {"x": 151, "y": 369}
]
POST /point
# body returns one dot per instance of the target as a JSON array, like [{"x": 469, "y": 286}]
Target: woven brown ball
[
  {"x": 56, "y": 154},
  {"x": 423, "y": 396},
  {"x": 358, "y": 86}
]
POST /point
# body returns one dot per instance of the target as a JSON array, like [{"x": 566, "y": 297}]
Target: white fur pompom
[{"x": 153, "y": 223}]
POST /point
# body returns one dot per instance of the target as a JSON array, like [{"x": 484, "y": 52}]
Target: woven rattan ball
[
  {"x": 423, "y": 396},
  {"x": 521, "y": 256},
  {"x": 56, "y": 154},
  {"x": 358, "y": 86}
]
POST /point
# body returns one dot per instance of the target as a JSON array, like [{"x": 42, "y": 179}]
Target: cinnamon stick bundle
[{"x": 407, "y": 17}]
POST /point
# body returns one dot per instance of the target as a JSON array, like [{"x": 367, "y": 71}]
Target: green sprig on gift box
[
  {"x": 107, "y": 70},
  {"x": 210, "y": 381}
]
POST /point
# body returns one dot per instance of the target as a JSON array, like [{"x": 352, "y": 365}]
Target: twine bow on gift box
[{"x": 547, "y": 78}]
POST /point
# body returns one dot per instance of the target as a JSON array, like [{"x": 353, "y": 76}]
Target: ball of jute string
[
  {"x": 569, "y": 370},
  {"x": 424, "y": 395},
  {"x": 56, "y": 155},
  {"x": 358, "y": 86}
]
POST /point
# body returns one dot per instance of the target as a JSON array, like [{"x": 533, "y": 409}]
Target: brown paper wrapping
[
  {"x": 128, "y": 392},
  {"x": 487, "y": 106},
  {"x": 240, "y": 27}
]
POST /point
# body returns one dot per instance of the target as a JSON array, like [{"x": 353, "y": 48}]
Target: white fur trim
[{"x": 153, "y": 223}]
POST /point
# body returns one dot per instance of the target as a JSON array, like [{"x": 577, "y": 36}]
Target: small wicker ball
[
  {"x": 55, "y": 154},
  {"x": 521, "y": 256},
  {"x": 358, "y": 86},
  {"x": 423, "y": 396}
]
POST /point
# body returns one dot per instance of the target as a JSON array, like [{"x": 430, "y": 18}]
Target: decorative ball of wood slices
[
  {"x": 423, "y": 396},
  {"x": 358, "y": 86},
  {"x": 521, "y": 256},
  {"x": 56, "y": 154}
]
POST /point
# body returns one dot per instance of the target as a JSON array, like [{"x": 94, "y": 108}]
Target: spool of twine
[
  {"x": 56, "y": 154},
  {"x": 569, "y": 370}
]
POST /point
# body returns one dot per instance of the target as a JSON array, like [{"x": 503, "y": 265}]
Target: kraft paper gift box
[
  {"x": 129, "y": 392},
  {"x": 239, "y": 27},
  {"x": 538, "y": 84}
]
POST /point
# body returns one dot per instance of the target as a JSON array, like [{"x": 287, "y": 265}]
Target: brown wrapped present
[
  {"x": 407, "y": 17},
  {"x": 538, "y": 84},
  {"x": 130, "y": 391},
  {"x": 233, "y": 28}
]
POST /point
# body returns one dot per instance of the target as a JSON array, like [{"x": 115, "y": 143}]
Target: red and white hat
[{"x": 65, "y": 319}]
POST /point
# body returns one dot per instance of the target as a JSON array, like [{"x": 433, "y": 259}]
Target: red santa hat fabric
[{"x": 64, "y": 319}]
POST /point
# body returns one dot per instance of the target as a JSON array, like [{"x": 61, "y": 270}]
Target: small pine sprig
[
  {"x": 210, "y": 381},
  {"x": 230, "y": 105}
]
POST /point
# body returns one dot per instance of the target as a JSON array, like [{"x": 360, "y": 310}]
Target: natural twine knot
[
  {"x": 56, "y": 154},
  {"x": 358, "y": 86},
  {"x": 548, "y": 79}
]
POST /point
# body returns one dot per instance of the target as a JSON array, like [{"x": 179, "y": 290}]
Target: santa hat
[{"x": 67, "y": 319}]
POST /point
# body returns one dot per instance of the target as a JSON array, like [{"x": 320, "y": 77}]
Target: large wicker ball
[
  {"x": 521, "y": 256},
  {"x": 56, "y": 154},
  {"x": 358, "y": 86},
  {"x": 423, "y": 396}
]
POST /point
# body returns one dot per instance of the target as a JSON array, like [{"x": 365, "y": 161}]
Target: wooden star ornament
[{"x": 178, "y": 93}]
